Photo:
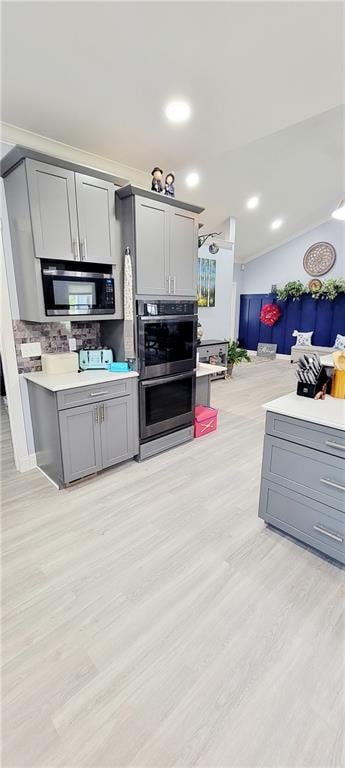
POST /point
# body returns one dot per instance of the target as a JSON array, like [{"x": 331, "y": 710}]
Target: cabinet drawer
[
  {"x": 206, "y": 352},
  {"x": 304, "y": 518},
  {"x": 68, "y": 398},
  {"x": 306, "y": 433},
  {"x": 305, "y": 470}
]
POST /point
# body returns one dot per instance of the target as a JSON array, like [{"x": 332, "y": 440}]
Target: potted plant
[{"x": 236, "y": 354}]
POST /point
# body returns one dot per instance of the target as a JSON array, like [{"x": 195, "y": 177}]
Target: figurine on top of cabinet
[
  {"x": 157, "y": 185},
  {"x": 169, "y": 188}
]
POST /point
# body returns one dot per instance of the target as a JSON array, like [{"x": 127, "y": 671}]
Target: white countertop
[
  {"x": 330, "y": 412},
  {"x": 205, "y": 369},
  {"x": 327, "y": 361},
  {"x": 58, "y": 381}
]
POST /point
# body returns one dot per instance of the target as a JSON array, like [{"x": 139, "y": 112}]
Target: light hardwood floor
[{"x": 151, "y": 619}]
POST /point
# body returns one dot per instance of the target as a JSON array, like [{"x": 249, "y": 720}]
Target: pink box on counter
[{"x": 205, "y": 420}]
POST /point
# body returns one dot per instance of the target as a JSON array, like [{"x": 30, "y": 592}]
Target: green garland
[{"x": 329, "y": 290}]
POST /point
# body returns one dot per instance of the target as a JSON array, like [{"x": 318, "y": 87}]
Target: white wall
[
  {"x": 216, "y": 320},
  {"x": 286, "y": 262}
]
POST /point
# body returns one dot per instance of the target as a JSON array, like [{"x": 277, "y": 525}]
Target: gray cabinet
[
  {"x": 80, "y": 442},
  {"x": 303, "y": 484},
  {"x": 73, "y": 215},
  {"x": 82, "y": 430},
  {"x": 162, "y": 234},
  {"x": 53, "y": 211},
  {"x": 152, "y": 247},
  {"x": 96, "y": 218},
  {"x": 183, "y": 252},
  {"x": 117, "y": 432}
]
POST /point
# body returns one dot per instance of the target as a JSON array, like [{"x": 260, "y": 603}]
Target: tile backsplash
[{"x": 53, "y": 337}]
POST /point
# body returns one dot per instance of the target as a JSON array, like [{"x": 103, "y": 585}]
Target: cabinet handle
[
  {"x": 83, "y": 249},
  {"x": 97, "y": 415},
  {"x": 102, "y": 412},
  {"x": 328, "y": 533},
  {"x": 333, "y": 444},
  {"x": 169, "y": 278},
  {"x": 75, "y": 247},
  {"x": 96, "y": 394},
  {"x": 174, "y": 284},
  {"x": 334, "y": 485}
]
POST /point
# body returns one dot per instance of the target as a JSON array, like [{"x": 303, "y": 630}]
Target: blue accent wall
[{"x": 325, "y": 318}]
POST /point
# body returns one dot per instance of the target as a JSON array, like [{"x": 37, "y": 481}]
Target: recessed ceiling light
[
  {"x": 276, "y": 223},
  {"x": 192, "y": 180},
  {"x": 178, "y": 111},
  {"x": 339, "y": 212},
  {"x": 253, "y": 202}
]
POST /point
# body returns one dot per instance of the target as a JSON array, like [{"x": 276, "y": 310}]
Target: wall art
[{"x": 206, "y": 291}]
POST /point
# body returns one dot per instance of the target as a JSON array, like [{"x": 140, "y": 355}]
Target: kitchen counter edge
[{"x": 61, "y": 381}]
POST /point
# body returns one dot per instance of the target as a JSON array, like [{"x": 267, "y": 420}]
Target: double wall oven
[{"x": 167, "y": 339}]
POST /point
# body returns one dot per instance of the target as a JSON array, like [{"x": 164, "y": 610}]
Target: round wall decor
[{"x": 319, "y": 259}]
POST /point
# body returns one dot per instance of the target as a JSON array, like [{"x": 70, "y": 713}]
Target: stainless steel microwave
[{"x": 69, "y": 293}]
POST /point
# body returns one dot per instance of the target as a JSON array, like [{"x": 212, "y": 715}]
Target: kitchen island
[
  {"x": 83, "y": 422},
  {"x": 303, "y": 471}
]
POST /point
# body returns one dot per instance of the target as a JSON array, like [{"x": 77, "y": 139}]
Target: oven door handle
[
  {"x": 174, "y": 318},
  {"x": 167, "y": 379}
]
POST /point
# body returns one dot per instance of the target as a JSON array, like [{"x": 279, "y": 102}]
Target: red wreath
[{"x": 270, "y": 314}]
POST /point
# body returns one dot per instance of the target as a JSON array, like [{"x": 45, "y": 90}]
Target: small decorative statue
[
  {"x": 169, "y": 188},
  {"x": 157, "y": 185}
]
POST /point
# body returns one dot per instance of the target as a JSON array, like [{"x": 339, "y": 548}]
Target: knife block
[{"x": 310, "y": 390}]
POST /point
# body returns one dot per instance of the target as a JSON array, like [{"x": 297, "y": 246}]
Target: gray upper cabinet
[
  {"x": 183, "y": 252},
  {"x": 152, "y": 246},
  {"x": 53, "y": 211},
  {"x": 96, "y": 218},
  {"x": 80, "y": 441},
  {"x": 162, "y": 233},
  {"x": 73, "y": 215}
]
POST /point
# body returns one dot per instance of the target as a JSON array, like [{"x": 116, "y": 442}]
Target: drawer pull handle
[
  {"x": 328, "y": 533},
  {"x": 334, "y": 485},
  {"x": 332, "y": 444},
  {"x": 95, "y": 394}
]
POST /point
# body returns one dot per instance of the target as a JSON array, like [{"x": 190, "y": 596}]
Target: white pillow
[
  {"x": 339, "y": 341},
  {"x": 303, "y": 338}
]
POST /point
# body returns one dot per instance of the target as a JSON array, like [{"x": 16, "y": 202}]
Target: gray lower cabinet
[
  {"x": 303, "y": 482},
  {"x": 80, "y": 431},
  {"x": 80, "y": 442}
]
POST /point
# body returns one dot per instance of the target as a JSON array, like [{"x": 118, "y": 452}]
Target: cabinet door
[
  {"x": 117, "y": 431},
  {"x": 53, "y": 211},
  {"x": 183, "y": 252},
  {"x": 96, "y": 218},
  {"x": 80, "y": 441},
  {"x": 152, "y": 247}
]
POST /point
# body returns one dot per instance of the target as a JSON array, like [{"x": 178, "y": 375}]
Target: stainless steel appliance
[
  {"x": 166, "y": 404},
  {"x": 87, "y": 291},
  {"x": 167, "y": 336},
  {"x": 167, "y": 342},
  {"x": 95, "y": 359}
]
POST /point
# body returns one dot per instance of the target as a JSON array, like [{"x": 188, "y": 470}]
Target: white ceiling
[{"x": 265, "y": 81}]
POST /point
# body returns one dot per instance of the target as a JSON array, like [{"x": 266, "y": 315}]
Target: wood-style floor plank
[{"x": 151, "y": 619}]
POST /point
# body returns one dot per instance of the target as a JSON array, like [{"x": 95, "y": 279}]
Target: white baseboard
[
  {"x": 27, "y": 462},
  {"x": 48, "y": 478}
]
